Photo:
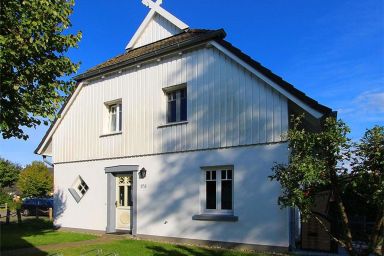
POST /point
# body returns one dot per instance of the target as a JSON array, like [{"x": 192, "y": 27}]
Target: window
[
  {"x": 124, "y": 191},
  {"x": 78, "y": 189},
  {"x": 176, "y": 104},
  {"x": 216, "y": 193},
  {"x": 82, "y": 187},
  {"x": 115, "y": 117},
  {"x": 218, "y": 189}
]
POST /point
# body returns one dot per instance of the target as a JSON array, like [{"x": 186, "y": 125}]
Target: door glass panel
[
  {"x": 121, "y": 195},
  {"x": 129, "y": 195}
]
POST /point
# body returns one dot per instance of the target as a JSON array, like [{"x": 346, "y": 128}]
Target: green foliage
[
  {"x": 32, "y": 62},
  {"x": 9, "y": 173},
  {"x": 316, "y": 163},
  {"x": 313, "y": 160},
  {"x": 5, "y": 198},
  {"x": 35, "y": 180},
  {"x": 368, "y": 167}
]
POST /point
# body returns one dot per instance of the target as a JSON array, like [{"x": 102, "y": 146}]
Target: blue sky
[{"x": 331, "y": 50}]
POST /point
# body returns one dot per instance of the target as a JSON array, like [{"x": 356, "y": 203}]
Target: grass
[
  {"x": 149, "y": 248},
  {"x": 34, "y": 232}
]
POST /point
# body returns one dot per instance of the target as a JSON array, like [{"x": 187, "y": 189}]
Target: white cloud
[{"x": 367, "y": 106}]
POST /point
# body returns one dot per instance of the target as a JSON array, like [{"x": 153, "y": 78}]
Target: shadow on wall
[
  {"x": 174, "y": 195},
  {"x": 60, "y": 204},
  {"x": 174, "y": 199}
]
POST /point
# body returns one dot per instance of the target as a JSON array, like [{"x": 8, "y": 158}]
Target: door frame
[{"x": 111, "y": 173}]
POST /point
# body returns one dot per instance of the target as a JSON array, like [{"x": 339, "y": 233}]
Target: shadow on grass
[
  {"x": 13, "y": 234},
  {"x": 180, "y": 250}
]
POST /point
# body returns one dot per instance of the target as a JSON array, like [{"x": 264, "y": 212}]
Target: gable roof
[
  {"x": 170, "y": 44},
  {"x": 185, "y": 39},
  {"x": 275, "y": 78},
  {"x": 155, "y": 9},
  {"x": 177, "y": 42}
]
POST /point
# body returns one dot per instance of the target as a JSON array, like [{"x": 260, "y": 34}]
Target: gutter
[
  {"x": 46, "y": 161},
  {"x": 220, "y": 33}
]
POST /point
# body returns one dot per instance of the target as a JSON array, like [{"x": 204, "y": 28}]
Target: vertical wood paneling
[
  {"x": 158, "y": 28},
  {"x": 227, "y": 106}
]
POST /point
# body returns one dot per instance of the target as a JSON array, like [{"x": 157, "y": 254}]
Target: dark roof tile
[{"x": 166, "y": 43}]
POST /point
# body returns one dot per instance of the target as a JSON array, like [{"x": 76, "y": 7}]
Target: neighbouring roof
[{"x": 181, "y": 41}]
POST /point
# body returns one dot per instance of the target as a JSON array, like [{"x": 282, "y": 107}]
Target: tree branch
[{"x": 328, "y": 231}]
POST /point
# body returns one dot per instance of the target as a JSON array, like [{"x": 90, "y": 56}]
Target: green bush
[{"x": 35, "y": 180}]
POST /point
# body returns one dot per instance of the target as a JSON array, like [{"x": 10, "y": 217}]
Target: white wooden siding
[
  {"x": 158, "y": 28},
  {"x": 227, "y": 106}
]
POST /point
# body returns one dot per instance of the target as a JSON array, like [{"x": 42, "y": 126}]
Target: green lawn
[
  {"x": 34, "y": 232},
  {"x": 149, "y": 248}
]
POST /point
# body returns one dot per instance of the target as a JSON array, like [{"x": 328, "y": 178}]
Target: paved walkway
[{"x": 53, "y": 247}]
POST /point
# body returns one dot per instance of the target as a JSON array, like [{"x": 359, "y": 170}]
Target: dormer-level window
[
  {"x": 177, "y": 104},
  {"x": 115, "y": 117}
]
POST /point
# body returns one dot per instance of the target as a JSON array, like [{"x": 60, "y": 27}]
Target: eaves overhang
[{"x": 216, "y": 34}]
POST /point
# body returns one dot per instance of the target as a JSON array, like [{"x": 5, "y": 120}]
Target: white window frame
[
  {"x": 108, "y": 117},
  {"x": 203, "y": 191},
  {"x": 177, "y": 89},
  {"x": 78, "y": 182}
]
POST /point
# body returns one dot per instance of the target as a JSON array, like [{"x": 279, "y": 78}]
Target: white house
[{"x": 175, "y": 138}]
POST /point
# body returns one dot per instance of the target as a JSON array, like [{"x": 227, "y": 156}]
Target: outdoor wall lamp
[{"x": 142, "y": 173}]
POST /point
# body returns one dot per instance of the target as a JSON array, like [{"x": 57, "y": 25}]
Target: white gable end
[
  {"x": 158, "y": 28},
  {"x": 157, "y": 25}
]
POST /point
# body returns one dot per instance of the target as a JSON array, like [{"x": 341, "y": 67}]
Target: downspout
[{"x": 46, "y": 161}]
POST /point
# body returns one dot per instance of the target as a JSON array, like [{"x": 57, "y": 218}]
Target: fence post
[
  {"x": 50, "y": 214},
  {"x": 8, "y": 214},
  {"x": 18, "y": 212}
]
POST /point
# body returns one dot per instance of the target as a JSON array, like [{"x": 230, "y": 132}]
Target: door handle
[{"x": 115, "y": 203}]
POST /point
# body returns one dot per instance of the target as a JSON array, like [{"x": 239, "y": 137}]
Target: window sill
[
  {"x": 110, "y": 134},
  {"x": 215, "y": 217},
  {"x": 172, "y": 124},
  {"x": 74, "y": 194}
]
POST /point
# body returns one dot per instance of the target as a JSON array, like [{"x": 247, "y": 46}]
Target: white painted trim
[
  {"x": 202, "y": 188},
  {"x": 59, "y": 119},
  {"x": 174, "y": 20},
  {"x": 155, "y": 8},
  {"x": 275, "y": 86},
  {"x": 141, "y": 29}
]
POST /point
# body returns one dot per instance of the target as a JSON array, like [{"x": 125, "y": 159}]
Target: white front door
[{"x": 123, "y": 201}]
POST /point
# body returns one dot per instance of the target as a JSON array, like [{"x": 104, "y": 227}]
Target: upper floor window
[
  {"x": 176, "y": 104},
  {"x": 115, "y": 117}
]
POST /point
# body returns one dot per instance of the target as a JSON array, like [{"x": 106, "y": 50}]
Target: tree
[
  {"x": 9, "y": 173},
  {"x": 317, "y": 163},
  {"x": 368, "y": 182},
  {"x": 32, "y": 62},
  {"x": 35, "y": 180}
]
